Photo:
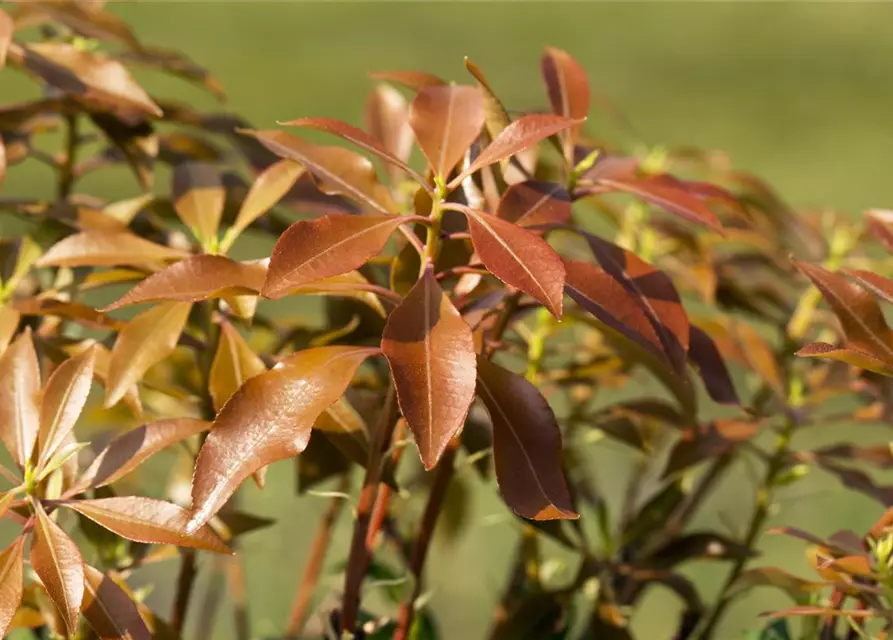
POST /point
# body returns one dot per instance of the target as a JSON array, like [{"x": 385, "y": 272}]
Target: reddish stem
[{"x": 380, "y": 511}]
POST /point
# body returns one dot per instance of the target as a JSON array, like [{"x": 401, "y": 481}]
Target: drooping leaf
[
  {"x": 146, "y": 340},
  {"x": 268, "y": 419},
  {"x": 233, "y": 364},
  {"x": 103, "y": 248},
  {"x": 338, "y": 170},
  {"x": 387, "y": 120},
  {"x": 534, "y": 203},
  {"x": 57, "y": 562},
  {"x": 430, "y": 350},
  {"x": 518, "y": 257},
  {"x": 109, "y": 611},
  {"x": 198, "y": 196},
  {"x": 332, "y": 245},
  {"x": 129, "y": 450},
  {"x": 704, "y": 353},
  {"x": 201, "y": 277},
  {"x": 63, "y": 400},
  {"x": 516, "y": 137},
  {"x": 568, "y": 91},
  {"x": 526, "y": 445},
  {"x": 446, "y": 119},
  {"x": 19, "y": 396},
  {"x": 416, "y": 80},
  {"x": 147, "y": 520},
  {"x": 12, "y": 560}
]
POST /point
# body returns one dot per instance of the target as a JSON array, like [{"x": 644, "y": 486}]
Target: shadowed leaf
[
  {"x": 430, "y": 350},
  {"x": 348, "y": 285},
  {"x": 268, "y": 419},
  {"x": 233, "y": 364},
  {"x": 137, "y": 140},
  {"x": 568, "y": 91},
  {"x": 694, "y": 546},
  {"x": 57, "y": 562},
  {"x": 146, "y": 340},
  {"x": 446, "y": 119},
  {"x": 267, "y": 189},
  {"x": 526, "y": 445},
  {"x": 706, "y": 441},
  {"x": 198, "y": 196},
  {"x": 332, "y": 245},
  {"x": 793, "y": 585},
  {"x": 19, "y": 396},
  {"x": 63, "y": 400},
  {"x": 12, "y": 561},
  {"x": 101, "y": 248},
  {"x": 705, "y": 355},
  {"x": 109, "y": 610},
  {"x": 534, "y": 202}
]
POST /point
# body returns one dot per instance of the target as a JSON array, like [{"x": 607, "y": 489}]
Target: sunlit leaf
[
  {"x": 57, "y": 562},
  {"x": 102, "y": 248},
  {"x": 568, "y": 91},
  {"x": 233, "y": 364},
  {"x": 7, "y": 26},
  {"x": 268, "y": 419},
  {"x": 850, "y": 356},
  {"x": 332, "y": 245},
  {"x": 430, "y": 350},
  {"x": 387, "y": 120},
  {"x": 497, "y": 118},
  {"x": 11, "y": 581},
  {"x": 19, "y": 397},
  {"x": 534, "y": 202},
  {"x": 108, "y": 609},
  {"x": 877, "y": 284},
  {"x": 146, "y": 340},
  {"x": 416, "y": 80},
  {"x": 63, "y": 400},
  {"x": 526, "y": 445},
  {"x": 446, "y": 119},
  {"x": 9, "y": 321},
  {"x": 198, "y": 196}
]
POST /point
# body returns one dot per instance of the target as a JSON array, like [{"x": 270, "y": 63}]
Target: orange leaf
[
  {"x": 63, "y": 400},
  {"x": 103, "y": 248},
  {"x": 9, "y": 322},
  {"x": 199, "y": 197},
  {"x": 416, "y": 80},
  {"x": 7, "y": 27},
  {"x": 109, "y": 610},
  {"x": 19, "y": 395},
  {"x": 430, "y": 350},
  {"x": 879, "y": 285},
  {"x": 850, "y": 356},
  {"x": 568, "y": 91},
  {"x": 12, "y": 560},
  {"x": 267, "y": 189},
  {"x": 234, "y": 363},
  {"x": 446, "y": 119},
  {"x": 387, "y": 120},
  {"x": 57, "y": 562}
]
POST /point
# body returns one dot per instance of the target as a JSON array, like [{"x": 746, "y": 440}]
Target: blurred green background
[{"x": 800, "y": 93}]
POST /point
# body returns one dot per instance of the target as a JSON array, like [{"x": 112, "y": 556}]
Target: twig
[
  {"x": 66, "y": 167},
  {"x": 380, "y": 510},
  {"x": 185, "y": 582}
]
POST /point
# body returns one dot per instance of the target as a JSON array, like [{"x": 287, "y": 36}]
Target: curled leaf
[{"x": 416, "y": 80}]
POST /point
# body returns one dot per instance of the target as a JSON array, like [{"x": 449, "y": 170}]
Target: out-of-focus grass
[{"x": 800, "y": 93}]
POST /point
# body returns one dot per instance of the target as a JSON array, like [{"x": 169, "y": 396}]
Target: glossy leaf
[
  {"x": 129, "y": 450},
  {"x": 526, "y": 445},
  {"x": 268, "y": 419},
  {"x": 147, "y": 340},
  {"x": 63, "y": 400},
  {"x": 201, "y": 277},
  {"x": 102, "y": 248},
  {"x": 519, "y": 135},
  {"x": 338, "y": 170},
  {"x": 109, "y": 611},
  {"x": 534, "y": 203},
  {"x": 233, "y": 364},
  {"x": 518, "y": 257},
  {"x": 198, "y": 196},
  {"x": 12, "y": 562},
  {"x": 332, "y": 245},
  {"x": 416, "y": 80},
  {"x": 268, "y": 188},
  {"x": 147, "y": 520},
  {"x": 430, "y": 350},
  {"x": 57, "y": 562},
  {"x": 19, "y": 396},
  {"x": 568, "y": 90},
  {"x": 446, "y": 119},
  {"x": 704, "y": 353}
]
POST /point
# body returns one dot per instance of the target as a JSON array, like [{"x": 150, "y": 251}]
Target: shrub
[{"x": 500, "y": 301}]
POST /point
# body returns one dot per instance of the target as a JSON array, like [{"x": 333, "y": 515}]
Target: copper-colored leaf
[
  {"x": 338, "y": 170},
  {"x": 416, "y": 80},
  {"x": 430, "y": 350},
  {"x": 880, "y": 226},
  {"x": 526, "y": 445},
  {"x": 705, "y": 355},
  {"x": 568, "y": 90},
  {"x": 197, "y": 278},
  {"x": 877, "y": 284},
  {"x": 103, "y": 248},
  {"x": 6, "y": 29},
  {"x": 63, "y": 400},
  {"x": 387, "y": 119},
  {"x": 519, "y": 135},
  {"x": 198, "y": 196},
  {"x": 446, "y": 119},
  {"x": 147, "y": 520},
  {"x": 3, "y": 161},
  {"x": 9, "y": 322},
  {"x": 268, "y": 419},
  {"x": 76, "y": 311},
  {"x": 850, "y": 356},
  {"x": 129, "y": 450},
  {"x": 146, "y": 340},
  {"x": 19, "y": 389},
  {"x": 233, "y": 364},
  {"x": 109, "y": 610},
  {"x": 267, "y": 189},
  {"x": 58, "y": 563},
  {"x": 518, "y": 257},
  {"x": 311, "y": 250},
  {"x": 11, "y": 582},
  {"x": 534, "y": 202}
]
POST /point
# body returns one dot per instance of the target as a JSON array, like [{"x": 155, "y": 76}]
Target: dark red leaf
[{"x": 568, "y": 90}]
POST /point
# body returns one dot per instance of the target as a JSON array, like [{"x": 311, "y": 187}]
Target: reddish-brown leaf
[
  {"x": 568, "y": 90},
  {"x": 129, "y": 450},
  {"x": 879, "y": 285},
  {"x": 338, "y": 170},
  {"x": 63, "y": 400},
  {"x": 267, "y": 189},
  {"x": 146, "y": 340},
  {"x": 233, "y": 364},
  {"x": 860, "y": 316},
  {"x": 526, "y": 445},
  {"x": 415, "y": 80},
  {"x": 534, "y": 202},
  {"x": 103, "y": 248},
  {"x": 198, "y": 195},
  {"x": 197, "y": 278},
  {"x": 147, "y": 520},
  {"x": 387, "y": 120},
  {"x": 109, "y": 610},
  {"x": 268, "y": 419},
  {"x": 705, "y": 355},
  {"x": 57, "y": 562},
  {"x": 850, "y": 356},
  {"x": 12, "y": 560},
  {"x": 19, "y": 397},
  {"x": 7, "y": 27},
  {"x": 446, "y": 119},
  {"x": 430, "y": 350},
  {"x": 518, "y": 257},
  {"x": 519, "y": 135},
  {"x": 311, "y": 250}
]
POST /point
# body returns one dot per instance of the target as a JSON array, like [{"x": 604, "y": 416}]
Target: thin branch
[
  {"x": 66, "y": 167},
  {"x": 185, "y": 582}
]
